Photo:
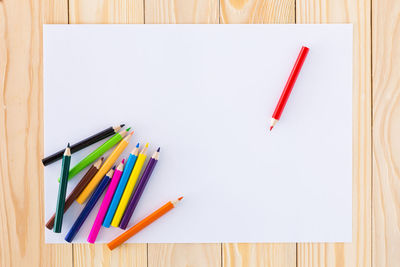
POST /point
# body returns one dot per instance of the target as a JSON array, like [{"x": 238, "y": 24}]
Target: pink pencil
[{"x": 106, "y": 202}]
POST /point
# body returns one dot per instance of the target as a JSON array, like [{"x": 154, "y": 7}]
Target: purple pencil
[{"x": 139, "y": 190}]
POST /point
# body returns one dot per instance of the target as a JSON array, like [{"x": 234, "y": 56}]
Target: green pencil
[
  {"x": 89, "y": 159},
  {"x": 62, "y": 190}
]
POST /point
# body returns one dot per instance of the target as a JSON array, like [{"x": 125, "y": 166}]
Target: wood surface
[
  {"x": 181, "y": 11},
  {"x": 21, "y": 135},
  {"x": 386, "y": 133},
  {"x": 106, "y": 11},
  {"x": 257, "y": 11},
  {"x": 357, "y": 253},
  {"x": 376, "y": 120}
]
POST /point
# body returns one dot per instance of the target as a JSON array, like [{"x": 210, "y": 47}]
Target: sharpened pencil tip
[
  {"x": 158, "y": 150},
  {"x": 128, "y": 129},
  {"x": 131, "y": 133},
  {"x": 147, "y": 145},
  {"x": 122, "y": 125},
  {"x": 180, "y": 198},
  {"x": 123, "y": 161},
  {"x": 113, "y": 167},
  {"x": 137, "y": 145},
  {"x": 67, "y": 151},
  {"x": 270, "y": 128}
]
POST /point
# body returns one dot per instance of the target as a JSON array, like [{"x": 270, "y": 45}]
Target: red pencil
[{"x": 289, "y": 86}]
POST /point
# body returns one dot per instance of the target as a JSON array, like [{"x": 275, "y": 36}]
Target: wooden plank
[
  {"x": 21, "y": 135},
  {"x": 386, "y": 132},
  {"x": 100, "y": 255},
  {"x": 357, "y": 253},
  {"x": 108, "y": 11},
  {"x": 177, "y": 255},
  {"x": 268, "y": 255},
  {"x": 55, "y": 12},
  {"x": 183, "y": 11},
  {"x": 258, "y": 11}
]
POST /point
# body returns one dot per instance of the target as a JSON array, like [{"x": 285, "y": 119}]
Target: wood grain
[
  {"x": 268, "y": 255},
  {"x": 108, "y": 11},
  {"x": 21, "y": 135},
  {"x": 357, "y": 253},
  {"x": 100, "y": 255},
  {"x": 55, "y": 12},
  {"x": 183, "y": 11},
  {"x": 258, "y": 11},
  {"x": 181, "y": 255},
  {"x": 386, "y": 132}
]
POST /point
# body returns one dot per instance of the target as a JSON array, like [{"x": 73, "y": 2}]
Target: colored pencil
[
  {"x": 89, "y": 206},
  {"x": 103, "y": 170},
  {"x": 105, "y": 204},
  {"x": 97, "y": 153},
  {"x": 142, "y": 224},
  {"x": 139, "y": 190},
  {"x": 289, "y": 86},
  {"x": 77, "y": 190},
  {"x": 130, "y": 186},
  {"x": 62, "y": 190},
  {"x": 83, "y": 143},
  {"x": 121, "y": 186}
]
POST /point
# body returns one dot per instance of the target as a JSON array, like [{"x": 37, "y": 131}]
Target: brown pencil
[{"x": 77, "y": 190}]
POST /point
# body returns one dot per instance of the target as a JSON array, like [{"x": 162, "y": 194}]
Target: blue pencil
[
  {"x": 89, "y": 206},
  {"x": 121, "y": 186}
]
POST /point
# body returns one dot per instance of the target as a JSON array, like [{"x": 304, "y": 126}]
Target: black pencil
[{"x": 84, "y": 143}]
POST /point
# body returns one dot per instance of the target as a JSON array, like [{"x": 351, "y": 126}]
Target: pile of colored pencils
[{"x": 126, "y": 184}]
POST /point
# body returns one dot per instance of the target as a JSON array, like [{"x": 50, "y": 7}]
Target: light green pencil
[{"x": 89, "y": 159}]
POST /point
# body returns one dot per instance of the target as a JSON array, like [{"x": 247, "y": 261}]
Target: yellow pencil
[
  {"x": 103, "y": 170},
  {"x": 130, "y": 186}
]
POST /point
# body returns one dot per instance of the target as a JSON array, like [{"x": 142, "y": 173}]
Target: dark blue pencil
[{"x": 89, "y": 206}]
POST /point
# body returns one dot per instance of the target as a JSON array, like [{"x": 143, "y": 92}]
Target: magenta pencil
[{"x": 106, "y": 203}]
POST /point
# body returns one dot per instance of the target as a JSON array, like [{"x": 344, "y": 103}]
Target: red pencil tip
[
  {"x": 123, "y": 161},
  {"x": 180, "y": 198},
  {"x": 270, "y": 128}
]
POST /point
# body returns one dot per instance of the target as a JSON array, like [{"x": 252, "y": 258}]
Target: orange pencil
[{"x": 143, "y": 223}]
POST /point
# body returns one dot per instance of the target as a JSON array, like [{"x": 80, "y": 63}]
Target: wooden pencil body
[
  {"x": 130, "y": 186},
  {"x": 81, "y": 144},
  {"x": 140, "y": 225},
  {"x": 62, "y": 190},
  {"x": 77, "y": 190},
  {"x": 103, "y": 170}
]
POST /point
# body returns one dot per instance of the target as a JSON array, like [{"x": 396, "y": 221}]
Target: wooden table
[{"x": 376, "y": 131}]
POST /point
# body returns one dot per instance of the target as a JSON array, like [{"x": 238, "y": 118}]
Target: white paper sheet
[{"x": 205, "y": 94}]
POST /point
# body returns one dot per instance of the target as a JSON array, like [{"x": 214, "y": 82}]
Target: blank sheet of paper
[{"x": 205, "y": 94}]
